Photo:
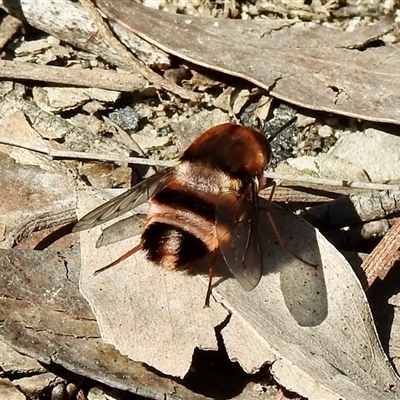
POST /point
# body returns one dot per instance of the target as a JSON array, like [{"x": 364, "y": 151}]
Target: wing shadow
[{"x": 301, "y": 274}]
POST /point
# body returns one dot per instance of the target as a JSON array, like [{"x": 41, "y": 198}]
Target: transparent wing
[
  {"x": 123, "y": 229},
  {"x": 127, "y": 201},
  {"x": 238, "y": 236}
]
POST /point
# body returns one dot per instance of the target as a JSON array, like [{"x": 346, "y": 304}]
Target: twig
[
  {"x": 122, "y": 136},
  {"x": 332, "y": 182},
  {"x": 98, "y": 78},
  {"x": 107, "y": 157},
  {"x": 382, "y": 257},
  {"x": 162, "y": 163},
  {"x": 107, "y": 35},
  {"x": 151, "y": 76},
  {"x": 354, "y": 209}
]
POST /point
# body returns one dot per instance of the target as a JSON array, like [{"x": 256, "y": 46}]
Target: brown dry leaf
[
  {"x": 305, "y": 64},
  {"x": 263, "y": 108},
  {"x": 312, "y": 323}
]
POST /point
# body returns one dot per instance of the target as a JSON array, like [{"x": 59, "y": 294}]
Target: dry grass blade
[{"x": 80, "y": 155}]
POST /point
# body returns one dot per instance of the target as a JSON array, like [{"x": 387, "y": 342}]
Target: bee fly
[{"x": 206, "y": 203}]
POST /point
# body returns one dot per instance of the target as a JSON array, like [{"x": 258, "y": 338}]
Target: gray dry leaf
[
  {"x": 33, "y": 386},
  {"x": 16, "y": 132},
  {"x": 73, "y": 137},
  {"x": 60, "y": 99},
  {"x": 393, "y": 310},
  {"x": 142, "y": 309},
  {"x": 312, "y": 323},
  {"x": 323, "y": 166},
  {"x": 305, "y": 64},
  {"x": 70, "y": 22},
  {"x": 379, "y": 155},
  {"x": 14, "y": 362}
]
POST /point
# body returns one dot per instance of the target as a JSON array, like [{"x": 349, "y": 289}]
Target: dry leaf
[
  {"x": 312, "y": 323},
  {"x": 305, "y": 64},
  {"x": 44, "y": 316},
  {"x": 147, "y": 313},
  {"x": 378, "y": 156},
  {"x": 320, "y": 356},
  {"x": 32, "y": 198}
]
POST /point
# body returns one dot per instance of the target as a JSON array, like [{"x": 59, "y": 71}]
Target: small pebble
[
  {"x": 59, "y": 392},
  {"x": 127, "y": 118},
  {"x": 53, "y": 40},
  {"x": 94, "y": 63},
  {"x": 325, "y": 131}
]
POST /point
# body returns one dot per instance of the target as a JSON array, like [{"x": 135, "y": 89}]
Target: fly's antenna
[{"x": 281, "y": 129}]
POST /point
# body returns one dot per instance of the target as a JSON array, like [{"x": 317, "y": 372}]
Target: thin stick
[
  {"x": 98, "y": 78},
  {"x": 382, "y": 257},
  {"x": 128, "y": 57},
  {"x": 331, "y": 182},
  {"x": 162, "y": 163},
  {"x": 123, "y": 136}
]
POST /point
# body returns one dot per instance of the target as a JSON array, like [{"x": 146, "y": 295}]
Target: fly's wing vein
[{"x": 127, "y": 201}]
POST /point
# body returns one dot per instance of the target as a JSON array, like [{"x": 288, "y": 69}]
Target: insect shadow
[{"x": 298, "y": 261}]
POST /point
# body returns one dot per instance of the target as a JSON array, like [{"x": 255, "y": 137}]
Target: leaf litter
[{"x": 282, "y": 312}]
